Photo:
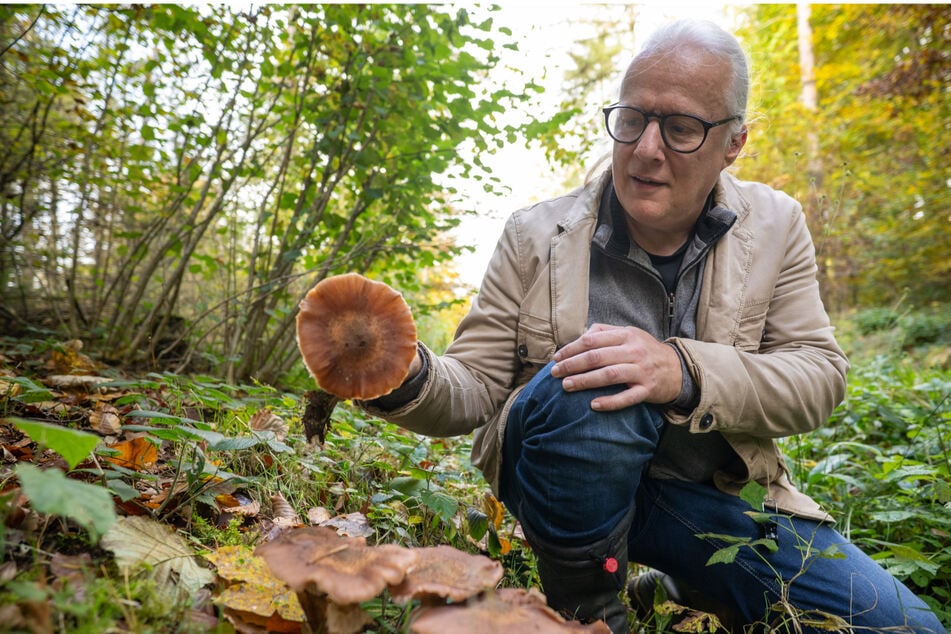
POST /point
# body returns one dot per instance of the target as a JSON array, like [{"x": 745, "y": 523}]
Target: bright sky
[{"x": 545, "y": 33}]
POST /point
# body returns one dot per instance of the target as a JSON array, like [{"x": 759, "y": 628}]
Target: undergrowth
[{"x": 881, "y": 466}]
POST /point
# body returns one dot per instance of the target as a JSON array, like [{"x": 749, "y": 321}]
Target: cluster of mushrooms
[
  {"x": 332, "y": 575},
  {"x": 357, "y": 338}
]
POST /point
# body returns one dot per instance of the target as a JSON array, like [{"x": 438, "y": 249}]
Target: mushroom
[
  {"x": 506, "y": 611},
  {"x": 357, "y": 337},
  {"x": 444, "y": 573},
  {"x": 332, "y": 574}
]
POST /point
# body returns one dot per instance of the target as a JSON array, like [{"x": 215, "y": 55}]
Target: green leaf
[
  {"x": 443, "y": 505},
  {"x": 410, "y": 487},
  {"x": 754, "y": 493},
  {"x": 73, "y": 445},
  {"x": 122, "y": 489},
  {"x": 53, "y": 493},
  {"x": 478, "y": 523},
  {"x": 33, "y": 392},
  {"x": 724, "y": 555},
  {"x": 893, "y": 516},
  {"x": 233, "y": 444}
]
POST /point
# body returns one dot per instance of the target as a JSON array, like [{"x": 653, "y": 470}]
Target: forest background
[{"x": 174, "y": 178}]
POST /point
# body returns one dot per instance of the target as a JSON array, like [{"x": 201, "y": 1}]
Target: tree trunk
[{"x": 815, "y": 202}]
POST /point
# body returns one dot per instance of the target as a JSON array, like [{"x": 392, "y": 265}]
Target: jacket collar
[{"x": 714, "y": 221}]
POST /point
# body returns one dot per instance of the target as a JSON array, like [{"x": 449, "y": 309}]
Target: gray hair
[{"x": 710, "y": 38}]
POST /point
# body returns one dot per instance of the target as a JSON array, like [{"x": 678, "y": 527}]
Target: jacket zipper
[{"x": 670, "y": 313}]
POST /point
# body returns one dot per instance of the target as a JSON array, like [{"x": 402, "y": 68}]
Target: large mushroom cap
[
  {"x": 345, "y": 569},
  {"x": 357, "y": 337},
  {"x": 447, "y": 573},
  {"x": 507, "y": 611}
]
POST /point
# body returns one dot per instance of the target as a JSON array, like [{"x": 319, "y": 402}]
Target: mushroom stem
[
  {"x": 316, "y": 418},
  {"x": 326, "y": 617}
]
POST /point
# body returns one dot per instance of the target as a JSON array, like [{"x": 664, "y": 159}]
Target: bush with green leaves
[{"x": 881, "y": 466}]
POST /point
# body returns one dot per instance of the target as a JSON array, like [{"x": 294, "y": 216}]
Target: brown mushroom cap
[
  {"x": 507, "y": 611},
  {"x": 357, "y": 337},
  {"x": 446, "y": 573},
  {"x": 345, "y": 569}
]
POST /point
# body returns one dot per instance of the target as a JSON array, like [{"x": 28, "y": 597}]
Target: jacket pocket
[
  {"x": 751, "y": 326},
  {"x": 535, "y": 341}
]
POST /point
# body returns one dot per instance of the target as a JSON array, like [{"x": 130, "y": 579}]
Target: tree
[
  {"x": 212, "y": 165},
  {"x": 879, "y": 213}
]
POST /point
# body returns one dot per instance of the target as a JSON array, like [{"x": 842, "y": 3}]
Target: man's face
[{"x": 663, "y": 191}]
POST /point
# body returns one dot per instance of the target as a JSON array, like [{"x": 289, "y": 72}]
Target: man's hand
[
  {"x": 614, "y": 355},
  {"x": 414, "y": 367}
]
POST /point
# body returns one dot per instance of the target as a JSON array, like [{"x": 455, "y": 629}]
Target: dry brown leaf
[
  {"x": 281, "y": 508},
  {"x": 243, "y": 505},
  {"x": 265, "y": 420},
  {"x": 76, "y": 381},
  {"x": 350, "y": 525},
  {"x": 318, "y": 515},
  {"x": 139, "y": 541},
  {"x": 105, "y": 420}
]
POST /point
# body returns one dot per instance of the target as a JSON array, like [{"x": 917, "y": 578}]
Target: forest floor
[{"x": 136, "y": 503}]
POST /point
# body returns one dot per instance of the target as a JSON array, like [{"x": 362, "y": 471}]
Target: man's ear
[{"x": 733, "y": 148}]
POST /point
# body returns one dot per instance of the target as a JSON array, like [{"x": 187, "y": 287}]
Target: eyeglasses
[{"x": 682, "y": 133}]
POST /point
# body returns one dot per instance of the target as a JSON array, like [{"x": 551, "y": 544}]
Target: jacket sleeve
[
  {"x": 779, "y": 371},
  {"x": 467, "y": 385}
]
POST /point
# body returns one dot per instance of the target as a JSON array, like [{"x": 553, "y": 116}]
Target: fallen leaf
[
  {"x": 85, "y": 382},
  {"x": 318, "y": 515},
  {"x": 105, "y": 420},
  {"x": 139, "y": 454},
  {"x": 699, "y": 623},
  {"x": 265, "y": 420},
  {"x": 493, "y": 510},
  {"x": 137, "y": 541},
  {"x": 253, "y": 587},
  {"x": 242, "y": 505},
  {"x": 69, "y": 359},
  {"x": 350, "y": 525},
  {"x": 281, "y": 508}
]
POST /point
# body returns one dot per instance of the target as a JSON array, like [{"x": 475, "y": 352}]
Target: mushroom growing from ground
[
  {"x": 505, "y": 611},
  {"x": 444, "y": 573},
  {"x": 332, "y": 575},
  {"x": 357, "y": 337}
]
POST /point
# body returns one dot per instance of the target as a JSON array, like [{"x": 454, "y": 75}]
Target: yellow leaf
[
  {"x": 699, "y": 623},
  {"x": 253, "y": 587},
  {"x": 493, "y": 510}
]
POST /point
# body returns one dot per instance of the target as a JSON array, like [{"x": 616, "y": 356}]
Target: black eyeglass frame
[{"x": 662, "y": 118}]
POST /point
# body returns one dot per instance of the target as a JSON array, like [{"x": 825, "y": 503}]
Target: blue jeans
[{"x": 571, "y": 473}]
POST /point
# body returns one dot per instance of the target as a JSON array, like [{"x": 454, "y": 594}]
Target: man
[{"x": 636, "y": 347}]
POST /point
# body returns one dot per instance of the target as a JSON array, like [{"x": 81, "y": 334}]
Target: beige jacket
[{"x": 765, "y": 358}]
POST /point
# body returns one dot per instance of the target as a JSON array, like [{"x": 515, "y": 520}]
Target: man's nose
[{"x": 651, "y": 142}]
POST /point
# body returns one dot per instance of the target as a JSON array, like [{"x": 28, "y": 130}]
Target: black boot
[
  {"x": 641, "y": 591},
  {"x": 583, "y": 582}
]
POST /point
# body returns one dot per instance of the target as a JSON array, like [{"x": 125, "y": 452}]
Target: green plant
[
  {"x": 875, "y": 319},
  {"x": 883, "y": 466},
  {"x": 922, "y": 329}
]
